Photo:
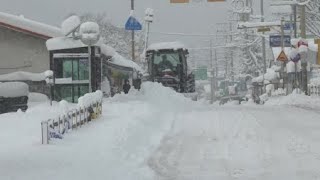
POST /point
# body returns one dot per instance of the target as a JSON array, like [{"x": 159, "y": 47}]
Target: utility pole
[
  {"x": 212, "y": 74},
  {"x": 132, "y": 34},
  {"x": 263, "y": 39},
  {"x": 295, "y": 20},
  {"x": 303, "y": 21},
  {"x": 231, "y": 54}
]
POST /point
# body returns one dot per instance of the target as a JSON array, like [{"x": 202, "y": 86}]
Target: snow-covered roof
[
  {"x": 59, "y": 43},
  {"x": 13, "y": 89},
  {"x": 167, "y": 45},
  {"x": 21, "y": 24},
  {"x": 117, "y": 59},
  {"x": 26, "y": 76}
]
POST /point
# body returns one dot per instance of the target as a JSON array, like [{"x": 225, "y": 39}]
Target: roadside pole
[
  {"x": 282, "y": 49},
  {"x": 211, "y": 74},
  {"x": 132, "y": 34},
  {"x": 263, "y": 39}
]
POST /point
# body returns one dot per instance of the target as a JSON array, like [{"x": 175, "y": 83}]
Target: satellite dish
[
  {"x": 90, "y": 33},
  {"x": 70, "y": 25}
]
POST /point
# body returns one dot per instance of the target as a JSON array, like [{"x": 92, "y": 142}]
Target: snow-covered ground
[{"x": 158, "y": 134}]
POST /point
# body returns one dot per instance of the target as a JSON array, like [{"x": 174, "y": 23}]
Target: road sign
[
  {"x": 288, "y": 26},
  {"x": 201, "y": 74},
  {"x": 303, "y": 42},
  {"x": 282, "y": 57},
  {"x": 264, "y": 29},
  {"x": 133, "y": 24},
  {"x": 275, "y": 41}
]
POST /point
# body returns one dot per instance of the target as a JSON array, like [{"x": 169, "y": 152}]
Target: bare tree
[{"x": 313, "y": 17}]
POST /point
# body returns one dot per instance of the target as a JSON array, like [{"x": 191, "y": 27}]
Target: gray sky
[{"x": 184, "y": 18}]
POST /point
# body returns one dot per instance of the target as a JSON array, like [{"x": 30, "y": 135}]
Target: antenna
[{"x": 70, "y": 25}]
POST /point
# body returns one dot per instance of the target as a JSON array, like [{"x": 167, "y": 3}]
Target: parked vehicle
[{"x": 13, "y": 96}]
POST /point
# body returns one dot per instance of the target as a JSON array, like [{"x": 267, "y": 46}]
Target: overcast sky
[{"x": 184, "y": 18}]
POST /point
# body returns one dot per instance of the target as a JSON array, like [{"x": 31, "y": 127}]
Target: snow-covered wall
[{"x": 22, "y": 52}]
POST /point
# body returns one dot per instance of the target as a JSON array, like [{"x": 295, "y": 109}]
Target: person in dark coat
[{"x": 126, "y": 87}]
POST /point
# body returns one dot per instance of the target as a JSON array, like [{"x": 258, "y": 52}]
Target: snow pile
[
  {"x": 70, "y": 24},
  {"x": 303, "y": 48},
  {"x": 166, "y": 45},
  {"x": 29, "y": 25},
  {"x": 270, "y": 76},
  {"x": 90, "y": 33},
  {"x": 290, "y": 67},
  {"x": 13, "y": 89},
  {"x": 279, "y": 92},
  {"x": 90, "y": 98},
  {"x": 37, "y": 97},
  {"x": 297, "y": 100},
  {"x": 107, "y": 50},
  {"x": 118, "y": 59},
  {"x": 26, "y": 76},
  {"x": 121, "y": 61},
  {"x": 66, "y": 43}
]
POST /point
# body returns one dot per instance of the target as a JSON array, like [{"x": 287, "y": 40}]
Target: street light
[{"x": 90, "y": 35}]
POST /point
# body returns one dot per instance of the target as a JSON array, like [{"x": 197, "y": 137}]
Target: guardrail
[
  {"x": 74, "y": 119},
  {"x": 313, "y": 90}
]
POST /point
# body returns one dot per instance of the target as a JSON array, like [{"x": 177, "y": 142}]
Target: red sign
[{"x": 303, "y": 42}]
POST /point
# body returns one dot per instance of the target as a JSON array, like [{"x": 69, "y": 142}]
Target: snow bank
[
  {"x": 297, "y": 100},
  {"x": 37, "y": 97},
  {"x": 30, "y": 25},
  {"x": 26, "y": 76},
  {"x": 90, "y": 98},
  {"x": 166, "y": 45},
  {"x": 13, "y": 89},
  {"x": 270, "y": 76}
]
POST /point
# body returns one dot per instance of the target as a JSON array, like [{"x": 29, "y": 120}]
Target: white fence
[
  {"x": 74, "y": 119},
  {"x": 313, "y": 90}
]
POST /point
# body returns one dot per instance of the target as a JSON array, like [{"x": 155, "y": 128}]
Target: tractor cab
[{"x": 168, "y": 65}]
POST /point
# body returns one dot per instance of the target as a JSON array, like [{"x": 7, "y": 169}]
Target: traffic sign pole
[{"x": 132, "y": 35}]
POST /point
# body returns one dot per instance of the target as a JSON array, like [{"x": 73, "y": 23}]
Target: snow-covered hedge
[
  {"x": 90, "y": 98},
  {"x": 14, "y": 89}
]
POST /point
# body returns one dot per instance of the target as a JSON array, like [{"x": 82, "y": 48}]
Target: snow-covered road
[
  {"x": 241, "y": 142},
  {"x": 158, "y": 134}
]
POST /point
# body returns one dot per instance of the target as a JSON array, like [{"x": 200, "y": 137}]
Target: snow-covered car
[{"x": 13, "y": 96}]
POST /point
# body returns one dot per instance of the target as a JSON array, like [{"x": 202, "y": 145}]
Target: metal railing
[{"x": 74, "y": 119}]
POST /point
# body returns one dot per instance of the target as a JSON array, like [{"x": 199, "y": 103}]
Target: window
[
  {"x": 77, "y": 69},
  {"x": 70, "y": 92}
]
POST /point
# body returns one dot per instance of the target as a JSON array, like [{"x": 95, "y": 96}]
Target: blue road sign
[
  {"x": 288, "y": 26},
  {"x": 133, "y": 24},
  {"x": 275, "y": 41}
]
